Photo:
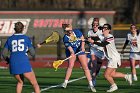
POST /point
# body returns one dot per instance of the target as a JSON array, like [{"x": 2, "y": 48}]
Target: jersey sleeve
[
  {"x": 109, "y": 39},
  {"x": 29, "y": 42},
  {"x": 78, "y": 33}
]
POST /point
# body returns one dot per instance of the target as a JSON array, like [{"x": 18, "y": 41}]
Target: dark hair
[
  {"x": 19, "y": 27},
  {"x": 133, "y": 25},
  {"x": 138, "y": 32},
  {"x": 95, "y": 19},
  {"x": 108, "y": 26}
]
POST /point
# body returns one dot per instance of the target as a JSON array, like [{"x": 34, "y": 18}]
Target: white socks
[
  {"x": 113, "y": 85},
  {"x": 66, "y": 81},
  {"x": 90, "y": 83}
]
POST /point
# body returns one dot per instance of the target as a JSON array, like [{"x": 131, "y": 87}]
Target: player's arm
[
  {"x": 68, "y": 46},
  {"x": 5, "y": 55},
  {"x": 32, "y": 51},
  {"x": 82, "y": 44},
  {"x": 102, "y": 44},
  {"x": 95, "y": 38},
  {"x": 40, "y": 44},
  {"x": 124, "y": 46},
  {"x": 71, "y": 51}
]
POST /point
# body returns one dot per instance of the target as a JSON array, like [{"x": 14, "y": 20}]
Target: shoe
[
  {"x": 135, "y": 78},
  {"x": 92, "y": 88},
  {"x": 112, "y": 88},
  {"x": 64, "y": 85},
  {"x": 129, "y": 78}
]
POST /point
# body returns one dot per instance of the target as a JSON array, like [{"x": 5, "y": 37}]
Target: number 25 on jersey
[{"x": 18, "y": 45}]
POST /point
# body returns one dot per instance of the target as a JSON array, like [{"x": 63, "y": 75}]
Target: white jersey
[
  {"x": 110, "y": 49},
  {"x": 134, "y": 42},
  {"x": 94, "y": 34}
]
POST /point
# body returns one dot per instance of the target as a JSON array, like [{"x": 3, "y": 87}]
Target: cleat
[
  {"x": 92, "y": 88},
  {"x": 135, "y": 78},
  {"x": 114, "y": 88},
  {"x": 64, "y": 85}
]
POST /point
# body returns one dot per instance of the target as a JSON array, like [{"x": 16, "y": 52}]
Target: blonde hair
[{"x": 64, "y": 26}]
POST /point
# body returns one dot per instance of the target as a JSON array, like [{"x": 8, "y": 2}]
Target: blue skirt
[{"x": 19, "y": 66}]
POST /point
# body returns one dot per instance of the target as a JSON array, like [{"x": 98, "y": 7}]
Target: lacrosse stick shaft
[
  {"x": 75, "y": 54},
  {"x": 71, "y": 56},
  {"x": 129, "y": 52}
]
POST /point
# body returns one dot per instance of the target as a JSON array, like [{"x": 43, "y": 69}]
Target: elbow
[{"x": 32, "y": 51}]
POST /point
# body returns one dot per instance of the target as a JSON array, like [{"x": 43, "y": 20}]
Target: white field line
[{"x": 59, "y": 85}]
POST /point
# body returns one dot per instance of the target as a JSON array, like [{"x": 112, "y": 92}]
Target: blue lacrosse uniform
[
  {"x": 18, "y": 45},
  {"x": 76, "y": 45}
]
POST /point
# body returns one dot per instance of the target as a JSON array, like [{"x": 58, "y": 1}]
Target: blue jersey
[
  {"x": 76, "y": 45},
  {"x": 18, "y": 45}
]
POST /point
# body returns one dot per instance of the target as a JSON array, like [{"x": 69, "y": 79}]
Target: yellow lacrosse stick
[
  {"x": 54, "y": 37},
  {"x": 57, "y": 63}
]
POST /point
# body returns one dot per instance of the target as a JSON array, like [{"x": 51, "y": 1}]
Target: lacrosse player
[
  {"x": 134, "y": 38},
  {"x": 18, "y": 44},
  {"x": 113, "y": 58},
  {"x": 73, "y": 45},
  {"x": 97, "y": 52}
]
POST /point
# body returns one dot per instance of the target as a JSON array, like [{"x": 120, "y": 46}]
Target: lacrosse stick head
[
  {"x": 54, "y": 37},
  {"x": 57, "y": 63},
  {"x": 73, "y": 38}
]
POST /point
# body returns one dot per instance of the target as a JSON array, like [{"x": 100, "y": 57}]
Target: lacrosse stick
[
  {"x": 57, "y": 63},
  {"x": 122, "y": 57},
  {"x": 54, "y": 37},
  {"x": 73, "y": 39}
]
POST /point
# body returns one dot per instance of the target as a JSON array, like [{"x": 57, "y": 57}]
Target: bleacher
[{"x": 119, "y": 44}]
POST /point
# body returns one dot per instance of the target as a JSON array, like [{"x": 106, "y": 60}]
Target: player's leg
[
  {"x": 99, "y": 64},
  {"x": 69, "y": 71},
  {"x": 94, "y": 68},
  {"x": 19, "y": 84},
  {"x": 70, "y": 67},
  {"x": 31, "y": 77},
  {"x": 22, "y": 77},
  {"x": 128, "y": 77},
  {"x": 83, "y": 60},
  {"x": 89, "y": 61},
  {"x": 108, "y": 75},
  {"x": 94, "y": 63},
  {"x": 133, "y": 69},
  {"x": 109, "y": 78}
]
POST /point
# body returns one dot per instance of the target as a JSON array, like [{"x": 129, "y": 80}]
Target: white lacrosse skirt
[
  {"x": 98, "y": 53},
  {"x": 114, "y": 62},
  {"x": 135, "y": 56}
]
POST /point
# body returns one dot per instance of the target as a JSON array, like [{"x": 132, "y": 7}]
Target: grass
[{"x": 48, "y": 77}]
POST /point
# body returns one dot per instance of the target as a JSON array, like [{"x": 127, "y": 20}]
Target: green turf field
[{"x": 48, "y": 79}]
